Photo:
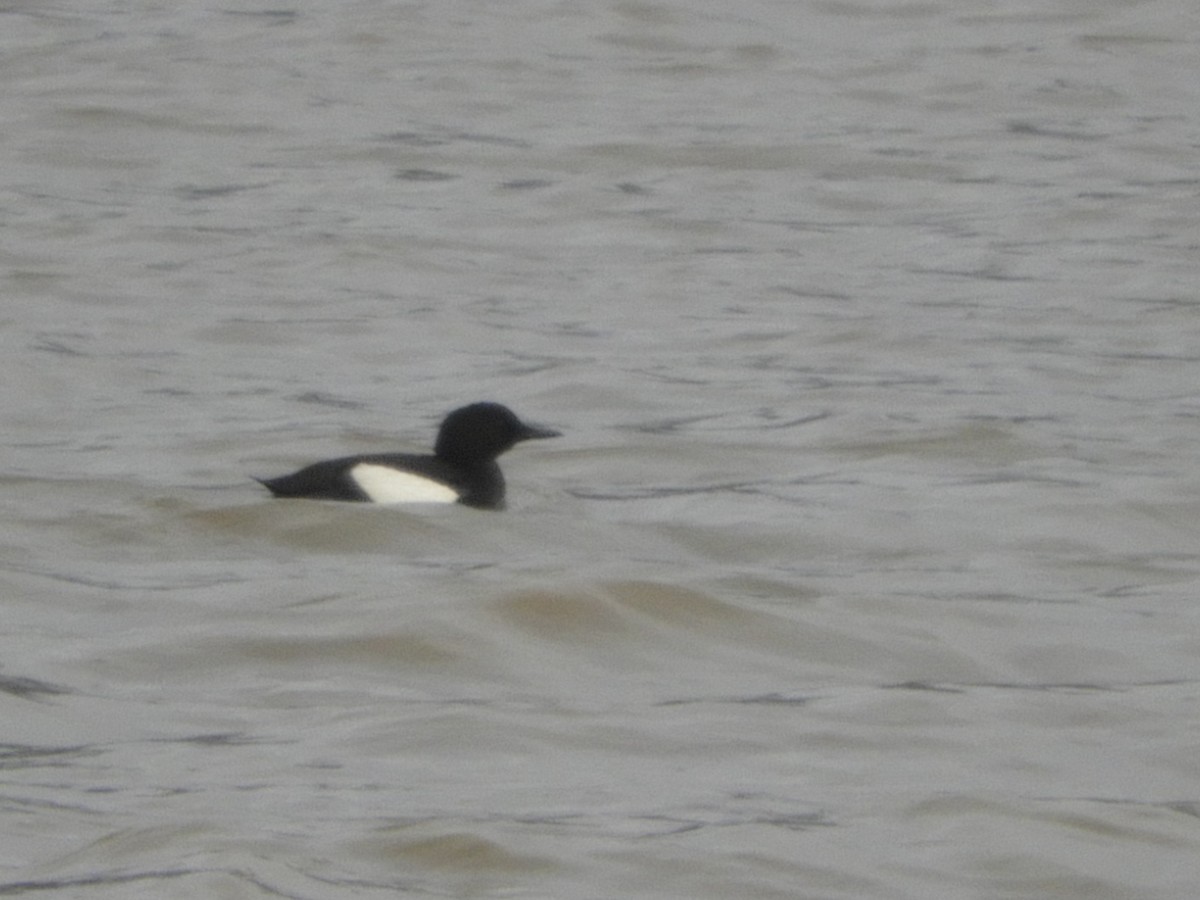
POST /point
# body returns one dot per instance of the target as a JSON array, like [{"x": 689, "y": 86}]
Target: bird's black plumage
[{"x": 463, "y": 461}]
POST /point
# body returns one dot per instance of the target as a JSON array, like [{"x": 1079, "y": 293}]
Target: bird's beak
[{"x": 536, "y": 432}]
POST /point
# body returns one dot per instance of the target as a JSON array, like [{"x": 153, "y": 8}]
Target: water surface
[{"x": 866, "y": 566}]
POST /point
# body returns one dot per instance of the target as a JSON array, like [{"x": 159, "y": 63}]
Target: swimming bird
[{"x": 462, "y": 468}]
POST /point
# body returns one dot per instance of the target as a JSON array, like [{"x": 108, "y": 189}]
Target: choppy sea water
[{"x": 866, "y": 567}]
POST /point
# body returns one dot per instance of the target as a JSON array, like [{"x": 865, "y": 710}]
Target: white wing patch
[{"x": 387, "y": 485}]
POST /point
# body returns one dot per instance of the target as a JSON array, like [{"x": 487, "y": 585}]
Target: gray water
[{"x": 866, "y": 568}]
